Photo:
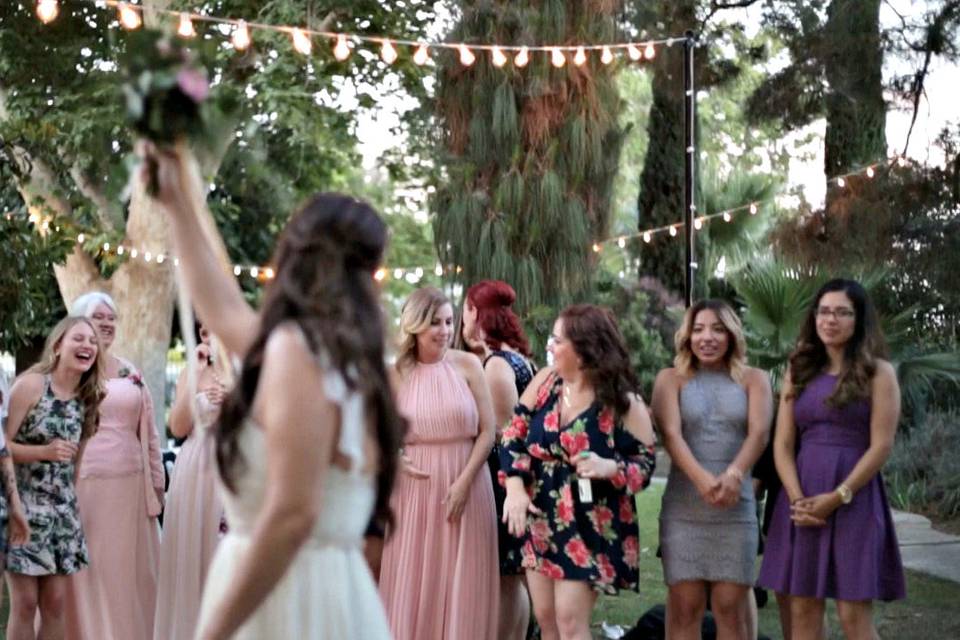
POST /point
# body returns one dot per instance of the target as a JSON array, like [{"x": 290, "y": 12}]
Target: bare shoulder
[
  {"x": 287, "y": 348},
  {"x": 27, "y": 388},
  {"x": 886, "y": 373},
  {"x": 467, "y": 363},
  {"x": 498, "y": 368},
  {"x": 754, "y": 378},
  {"x": 667, "y": 378}
]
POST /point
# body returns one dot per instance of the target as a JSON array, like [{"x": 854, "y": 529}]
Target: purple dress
[{"x": 855, "y": 556}]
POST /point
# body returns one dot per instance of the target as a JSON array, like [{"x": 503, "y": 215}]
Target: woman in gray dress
[{"x": 714, "y": 413}]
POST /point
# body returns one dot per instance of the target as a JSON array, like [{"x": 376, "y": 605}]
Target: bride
[{"x": 306, "y": 443}]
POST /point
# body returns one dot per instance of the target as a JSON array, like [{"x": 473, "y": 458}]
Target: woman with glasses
[{"x": 832, "y": 534}]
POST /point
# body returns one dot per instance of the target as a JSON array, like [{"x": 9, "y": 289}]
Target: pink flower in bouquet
[{"x": 193, "y": 84}]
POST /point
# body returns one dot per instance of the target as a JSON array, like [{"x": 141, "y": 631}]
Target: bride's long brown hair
[{"x": 325, "y": 261}]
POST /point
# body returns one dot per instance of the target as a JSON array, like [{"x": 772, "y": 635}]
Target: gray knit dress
[{"x": 698, "y": 541}]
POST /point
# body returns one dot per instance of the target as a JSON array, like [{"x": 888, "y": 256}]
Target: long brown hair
[
  {"x": 605, "y": 361},
  {"x": 324, "y": 262},
  {"x": 90, "y": 391},
  {"x": 867, "y": 343}
]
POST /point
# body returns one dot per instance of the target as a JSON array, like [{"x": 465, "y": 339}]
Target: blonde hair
[
  {"x": 736, "y": 356},
  {"x": 85, "y": 304},
  {"x": 90, "y": 391},
  {"x": 415, "y": 318}
]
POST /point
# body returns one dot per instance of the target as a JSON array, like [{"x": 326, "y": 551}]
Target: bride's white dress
[{"x": 328, "y": 591}]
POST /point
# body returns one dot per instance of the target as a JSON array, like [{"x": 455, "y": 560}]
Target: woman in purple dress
[{"x": 832, "y": 534}]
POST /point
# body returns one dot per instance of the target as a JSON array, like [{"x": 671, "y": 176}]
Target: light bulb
[
  {"x": 342, "y": 50},
  {"x": 580, "y": 57},
  {"x": 81, "y": 237},
  {"x": 466, "y": 56},
  {"x": 870, "y": 172},
  {"x": 381, "y": 273},
  {"x": 241, "y": 36},
  {"x": 160, "y": 258},
  {"x": 622, "y": 242},
  {"x": 647, "y": 237},
  {"x": 106, "y": 246},
  {"x": 237, "y": 271},
  {"x": 48, "y": 10},
  {"x": 596, "y": 248},
  {"x": 698, "y": 223},
  {"x": 753, "y": 209},
  {"x": 421, "y": 57},
  {"x": 388, "y": 52},
  {"x": 120, "y": 250},
  {"x": 254, "y": 272},
  {"x": 438, "y": 270},
  {"x": 673, "y": 231},
  {"x": 129, "y": 17},
  {"x": 134, "y": 253},
  {"x": 841, "y": 183},
  {"x": 606, "y": 57},
  {"x": 301, "y": 41},
  {"x": 147, "y": 256},
  {"x": 726, "y": 216},
  {"x": 496, "y": 54},
  {"x": 633, "y": 52},
  {"x": 650, "y": 51},
  {"x": 557, "y": 58},
  {"x": 268, "y": 273},
  {"x": 186, "y": 30},
  {"x": 397, "y": 274},
  {"x": 522, "y": 58}
]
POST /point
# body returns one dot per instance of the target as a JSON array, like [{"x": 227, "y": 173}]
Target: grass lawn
[{"x": 930, "y": 610}]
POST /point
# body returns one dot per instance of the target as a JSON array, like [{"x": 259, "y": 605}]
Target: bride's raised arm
[{"x": 214, "y": 292}]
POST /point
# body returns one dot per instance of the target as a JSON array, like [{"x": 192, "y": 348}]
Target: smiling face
[
  {"x": 433, "y": 341},
  {"x": 105, "y": 320},
  {"x": 565, "y": 358},
  {"x": 836, "y": 319},
  {"x": 77, "y": 350},
  {"x": 709, "y": 339}
]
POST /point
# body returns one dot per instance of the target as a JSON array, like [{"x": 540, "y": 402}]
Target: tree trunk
[
  {"x": 856, "y": 113},
  {"x": 661, "y": 183}
]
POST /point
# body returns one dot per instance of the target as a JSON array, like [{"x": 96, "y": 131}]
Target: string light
[
  {"x": 301, "y": 41},
  {"x": 241, "y": 36},
  {"x": 48, "y": 10},
  {"x": 901, "y": 162},
  {"x": 186, "y": 30},
  {"x": 579, "y": 57},
  {"x": 557, "y": 58},
  {"x": 647, "y": 236},
  {"x": 147, "y": 256},
  {"x": 134, "y": 253},
  {"x": 622, "y": 242},
  {"x": 421, "y": 56},
  {"x": 380, "y": 274},
  {"x": 254, "y": 272},
  {"x": 753, "y": 208},
  {"x": 466, "y": 56},
  {"x": 438, "y": 271},
  {"x": 698, "y": 224},
  {"x": 497, "y": 57},
  {"x": 388, "y": 52},
  {"x": 650, "y": 51},
  {"x": 841, "y": 182},
  {"x": 673, "y": 230},
  {"x": 237, "y": 270},
  {"x": 634, "y": 52},
  {"x": 397, "y": 274},
  {"x": 129, "y": 17},
  {"x": 870, "y": 172},
  {"x": 727, "y": 217},
  {"x": 522, "y": 58},
  {"x": 606, "y": 57},
  {"x": 81, "y": 237},
  {"x": 596, "y": 247},
  {"x": 341, "y": 51}
]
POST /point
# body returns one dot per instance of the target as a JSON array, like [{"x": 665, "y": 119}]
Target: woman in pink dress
[
  {"x": 191, "y": 525},
  {"x": 440, "y": 576},
  {"x": 120, "y": 495}
]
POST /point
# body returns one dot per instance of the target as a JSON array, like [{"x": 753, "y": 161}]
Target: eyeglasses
[{"x": 840, "y": 313}]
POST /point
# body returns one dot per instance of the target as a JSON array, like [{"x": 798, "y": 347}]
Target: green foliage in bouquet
[{"x": 168, "y": 93}]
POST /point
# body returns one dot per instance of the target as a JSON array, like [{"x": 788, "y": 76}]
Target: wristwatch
[{"x": 846, "y": 495}]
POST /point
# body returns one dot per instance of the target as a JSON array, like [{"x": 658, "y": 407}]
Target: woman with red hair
[{"x": 492, "y": 330}]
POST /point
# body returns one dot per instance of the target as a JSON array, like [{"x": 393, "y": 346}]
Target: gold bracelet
[{"x": 846, "y": 495}]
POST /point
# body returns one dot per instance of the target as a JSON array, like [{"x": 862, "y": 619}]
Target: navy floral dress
[
  {"x": 56, "y": 545},
  {"x": 596, "y": 542},
  {"x": 509, "y": 548}
]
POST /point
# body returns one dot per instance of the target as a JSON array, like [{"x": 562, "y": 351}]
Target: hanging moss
[{"x": 530, "y": 154}]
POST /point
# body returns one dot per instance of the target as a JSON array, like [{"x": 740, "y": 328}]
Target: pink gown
[
  {"x": 440, "y": 581},
  {"x": 191, "y": 531},
  {"x": 115, "y": 597}
]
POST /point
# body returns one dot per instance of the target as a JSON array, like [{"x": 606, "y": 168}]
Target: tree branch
[{"x": 108, "y": 213}]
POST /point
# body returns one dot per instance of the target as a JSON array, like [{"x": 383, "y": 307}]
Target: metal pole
[{"x": 690, "y": 165}]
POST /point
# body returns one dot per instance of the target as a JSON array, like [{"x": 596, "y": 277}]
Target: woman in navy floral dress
[{"x": 580, "y": 445}]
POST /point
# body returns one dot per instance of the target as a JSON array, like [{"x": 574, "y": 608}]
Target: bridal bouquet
[{"x": 168, "y": 95}]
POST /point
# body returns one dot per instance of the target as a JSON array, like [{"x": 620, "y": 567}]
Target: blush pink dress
[
  {"x": 191, "y": 530},
  {"x": 115, "y": 597},
  {"x": 440, "y": 581}
]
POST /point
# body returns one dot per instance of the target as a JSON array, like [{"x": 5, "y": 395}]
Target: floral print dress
[
  {"x": 56, "y": 545},
  {"x": 596, "y": 542}
]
